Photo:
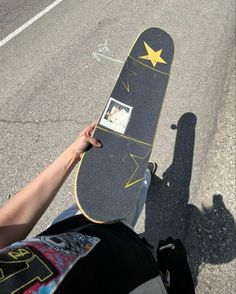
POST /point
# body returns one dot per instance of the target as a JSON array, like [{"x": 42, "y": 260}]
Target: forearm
[
  {"x": 27, "y": 206},
  {"x": 23, "y": 210}
]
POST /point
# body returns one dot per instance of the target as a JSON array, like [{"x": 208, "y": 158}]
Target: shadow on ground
[{"x": 208, "y": 234}]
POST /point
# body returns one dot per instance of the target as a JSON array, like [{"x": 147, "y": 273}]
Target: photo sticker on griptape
[{"x": 116, "y": 116}]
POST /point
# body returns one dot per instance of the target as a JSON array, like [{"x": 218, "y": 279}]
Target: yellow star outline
[
  {"x": 153, "y": 56},
  {"x": 131, "y": 180},
  {"x": 129, "y": 73}
]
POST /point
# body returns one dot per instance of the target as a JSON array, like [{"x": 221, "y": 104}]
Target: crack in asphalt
[{"x": 40, "y": 122}]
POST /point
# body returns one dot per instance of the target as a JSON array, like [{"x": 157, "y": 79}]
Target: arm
[{"x": 24, "y": 209}]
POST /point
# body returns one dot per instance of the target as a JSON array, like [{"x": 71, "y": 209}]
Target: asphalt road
[{"x": 53, "y": 82}]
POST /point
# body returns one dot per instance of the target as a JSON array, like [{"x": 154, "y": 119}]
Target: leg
[
  {"x": 132, "y": 218},
  {"x": 70, "y": 211}
]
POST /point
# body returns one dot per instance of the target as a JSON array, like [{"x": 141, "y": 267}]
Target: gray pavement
[
  {"x": 52, "y": 85},
  {"x": 14, "y": 13}
]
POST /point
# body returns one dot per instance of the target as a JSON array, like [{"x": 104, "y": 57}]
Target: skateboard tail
[{"x": 85, "y": 213}]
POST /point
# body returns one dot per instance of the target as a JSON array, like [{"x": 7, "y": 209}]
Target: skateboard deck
[{"x": 108, "y": 179}]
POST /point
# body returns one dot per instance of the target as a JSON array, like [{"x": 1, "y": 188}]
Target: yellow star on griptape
[
  {"x": 153, "y": 56},
  {"x": 125, "y": 78},
  {"x": 137, "y": 160}
]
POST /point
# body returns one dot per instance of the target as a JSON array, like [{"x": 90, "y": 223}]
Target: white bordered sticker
[{"x": 116, "y": 116}]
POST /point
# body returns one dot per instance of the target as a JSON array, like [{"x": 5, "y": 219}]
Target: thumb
[{"x": 95, "y": 142}]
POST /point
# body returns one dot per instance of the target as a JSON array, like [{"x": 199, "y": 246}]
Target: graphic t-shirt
[
  {"x": 39, "y": 264},
  {"x": 75, "y": 256}
]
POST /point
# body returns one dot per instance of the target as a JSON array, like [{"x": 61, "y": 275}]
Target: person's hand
[{"x": 85, "y": 141}]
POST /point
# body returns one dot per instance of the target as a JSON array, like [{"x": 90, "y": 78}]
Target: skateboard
[{"x": 108, "y": 179}]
